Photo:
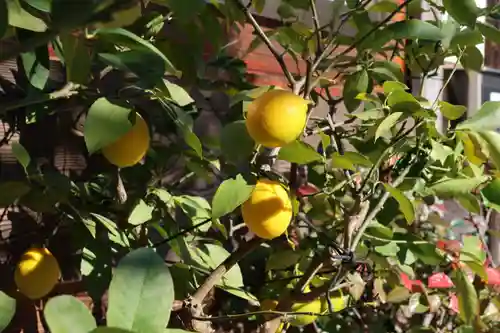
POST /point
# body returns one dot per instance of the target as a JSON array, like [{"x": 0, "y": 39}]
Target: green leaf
[
  {"x": 405, "y": 204},
  {"x": 472, "y": 59},
  {"x": 472, "y": 250},
  {"x": 128, "y": 39},
  {"x": 398, "y": 295},
  {"x": 7, "y": 310},
  {"x": 386, "y": 124},
  {"x": 402, "y": 101},
  {"x": 236, "y": 144},
  {"x": 391, "y": 86},
  {"x": 77, "y": 58},
  {"x": 106, "y": 122},
  {"x": 76, "y": 319},
  {"x": 20, "y": 18},
  {"x": 450, "y": 111},
  {"x": 11, "y": 191},
  {"x": 349, "y": 160},
  {"x": 104, "y": 329},
  {"x": 230, "y": 195},
  {"x": 490, "y": 32},
  {"x": 184, "y": 10},
  {"x": 4, "y": 19},
  {"x": 21, "y": 154},
  {"x": 414, "y": 29},
  {"x": 486, "y": 118},
  {"x": 240, "y": 292},
  {"x": 282, "y": 259},
  {"x": 41, "y": 5},
  {"x": 463, "y": 11},
  {"x": 466, "y": 37},
  {"x": 141, "y": 293},
  {"x": 387, "y": 70},
  {"x": 388, "y": 250},
  {"x": 440, "y": 152},
  {"x": 492, "y": 191},
  {"x": 141, "y": 213},
  {"x": 299, "y": 152},
  {"x": 470, "y": 203},
  {"x": 36, "y": 67},
  {"x": 493, "y": 141},
  {"x": 133, "y": 61},
  {"x": 197, "y": 209},
  {"x": 178, "y": 94},
  {"x": 354, "y": 84},
  {"x": 210, "y": 256},
  {"x": 468, "y": 303},
  {"x": 452, "y": 187}
]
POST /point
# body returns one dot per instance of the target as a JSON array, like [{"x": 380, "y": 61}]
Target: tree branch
[
  {"x": 267, "y": 41},
  {"x": 373, "y": 213}
]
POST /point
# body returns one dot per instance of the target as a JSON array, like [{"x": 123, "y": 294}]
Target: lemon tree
[{"x": 157, "y": 170}]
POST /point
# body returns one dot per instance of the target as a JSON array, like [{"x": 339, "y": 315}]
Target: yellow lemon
[
  {"x": 276, "y": 118},
  {"x": 37, "y": 273},
  {"x": 130, "y": 148},
  {"x": 302, "y": 320},
  {"x": 268, "y": 211}
]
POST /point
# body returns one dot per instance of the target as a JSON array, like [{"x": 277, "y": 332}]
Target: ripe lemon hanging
[
  {"x": 276, "y": 118},
  {"x": 130, "y": 148},
  {"x": 268, "y": 211},
  {"x": 37, "y": 273}
]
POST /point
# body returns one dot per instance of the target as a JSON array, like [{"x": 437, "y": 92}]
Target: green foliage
[{"x": 369, "y": 181}]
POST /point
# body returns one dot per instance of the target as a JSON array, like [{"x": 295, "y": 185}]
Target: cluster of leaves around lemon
[{"x": 141, "y": 294}]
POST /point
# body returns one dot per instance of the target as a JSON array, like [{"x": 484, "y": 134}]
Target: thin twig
[
  {"x": 267, "y": 41},
  {"x": 373, "y": 213},
  {"x": 67, "y": 91},
  {"x": 219, "y": 272}
]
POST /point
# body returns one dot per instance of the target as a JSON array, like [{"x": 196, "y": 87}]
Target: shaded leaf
[
  {"x": 36, "y": 67},
  {"x": 299, "y": 152},
  {"x": 398, "y": 295},
  {"x": 146, "y": 307},
  {"x": 210, "y": 256},
  {"x": 453, "y": 187},
  {"x": 4, "y": 19},
  {"x": 468, "y": 302},
  {"x": 77, "y": 58},
  {"x": 450, "y": 111},
  {"x": 282, "y": 259},
  {"x": 141, "y": 213},
  {"x": 386, "y": 124},
  {"x": 354, "y": 84},
  {"x": 20, "y": 18},
  {"x": 486, "y": 118},
  {"x": 236, "y": 144},
  {"x": 489, "y": 31},
  {"x": 11, "y": 191},
  {"x": 7, "y": 310},
  {"x": 106, "y": 122},
  {"x": 388, "y": 250},
  {"x": 440, "y": 152},
  {"x": 463, "y": 11},
  {"x": 415, "y": 29},
  {"x": 74, "y": 312},
  {"x": 21, "y": 154},
  {"x": 493, "y": 141},
  {"x": 405, "y": 204},
  {"x": 472, "y": 58},
  {"x": 230, "y": 195},
  {"x": 126, "y": 38}
]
